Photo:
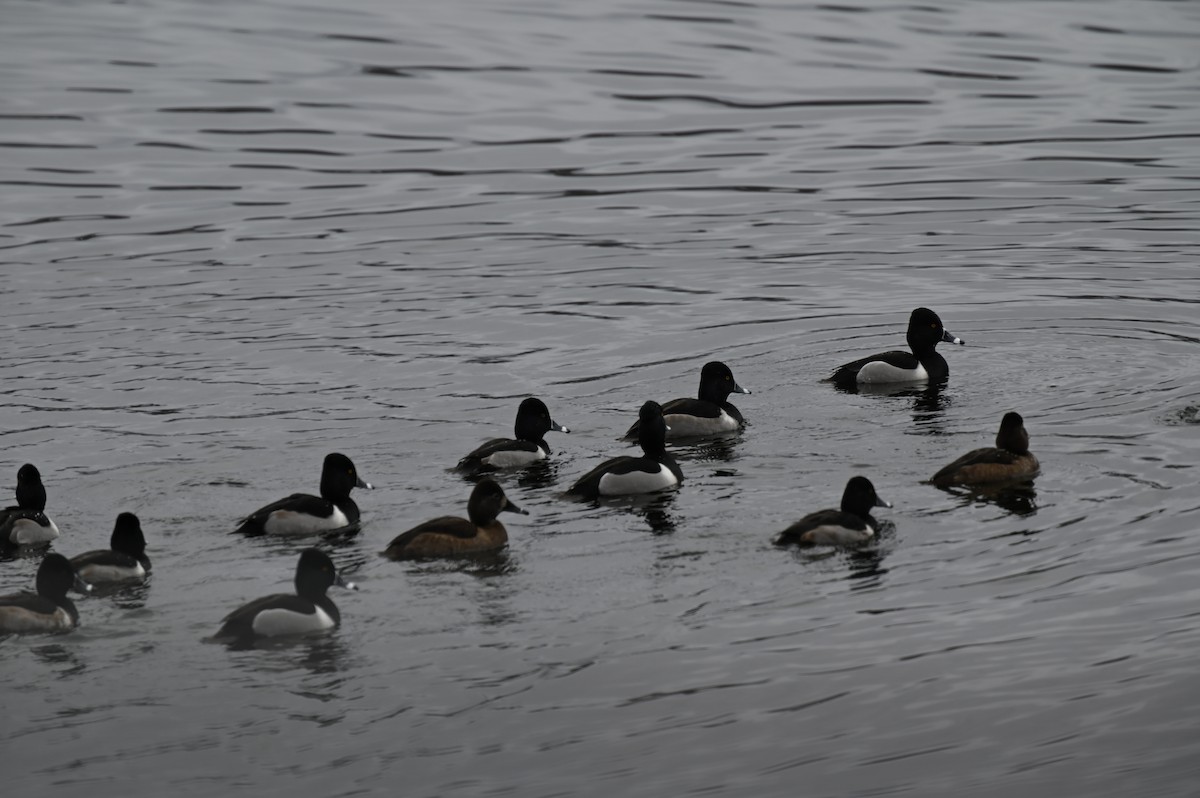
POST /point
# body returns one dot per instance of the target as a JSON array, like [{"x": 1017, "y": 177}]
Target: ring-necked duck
[
  {"x": 305, "y": 611},
  {"x": 626, "y": 475},
  {"x": 27, "y": 524},
  {"x": 923, "y": 364},
  {"x": 48, "y": 610},
  {"x": 849, "y": 526},
  {"x": 124, "y": 560},
  {"x": 302, "y": 514},
  {"x": 450, "y": 535},
  {"x": 528, "y": 446},
  {"x": 710, "y": 413},
  {"x": 1010, "y": 459}
]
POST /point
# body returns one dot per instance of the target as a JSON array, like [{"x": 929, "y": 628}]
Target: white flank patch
[
  {"x": 636, "y": 482},
  {"x": 831, "y": 535},
  {"x": 287, "y": 522},
  {"x": 95, "y": 574},
  {"x": 510, "y": 458},
  {"x": 879, "y": 371},
  {"x": 273, "y": 623},
  {"x": 26, "y": 532},
  {"x": 683, "y": 426}
]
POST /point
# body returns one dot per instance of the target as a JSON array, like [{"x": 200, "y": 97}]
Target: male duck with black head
[
  {"x": 850, "y": 525},
  {"x": 1008, "y": 461},
  {"x": 450, "y": 535},
  {"x": 49, "y": 609},
  {"x": 124, "y": 561},
  {"x": 303, "y": 514},
  {"x": 710, "y": 413},
  {"x": 655, "y": 470},
  {"x": 306, "y": 611},
  {"x": 27, "y": 524},
  {"x": 527, "y": 446},
  {"x": 922, "y": 364}
]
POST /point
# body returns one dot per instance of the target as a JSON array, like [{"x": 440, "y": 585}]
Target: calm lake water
[{"x": 238, "y": 236}]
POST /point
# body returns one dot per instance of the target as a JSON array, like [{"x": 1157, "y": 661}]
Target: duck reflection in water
[
  {"x": 926, "y": 397},
  {"x": 539, "y": 476},
  {"x": 60, "y": 660},
  {"x": 317, "y": 655},
  {"x": 479, "y": 564},
  {"x": 654, "y": 508},
  {"x": 929, "y": 402},
  {"x": 1019, "y": 498},
  {"x": 866, "y": 565},
  {"x": 717, "y": 450},
  {"x": 127, "y": 596}
]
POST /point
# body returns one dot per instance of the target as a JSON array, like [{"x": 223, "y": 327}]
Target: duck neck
[{"x": 31, "y": 497}]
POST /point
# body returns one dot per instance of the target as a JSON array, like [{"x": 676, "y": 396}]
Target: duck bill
[
  {"x": 341, "y": 581},
  {"x": 882, "y": 502},
  {"x": 81, "y": 586},
  {"x": 739, "y": 389},
  {"x": 512, "y": 508},
  {"x": 362, "y": 483},
  {"x": 557, "y": 427},
  {"x": 951, "y": 338}
]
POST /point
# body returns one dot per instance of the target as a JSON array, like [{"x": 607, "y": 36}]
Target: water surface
[{"x": 239, "y": 236}]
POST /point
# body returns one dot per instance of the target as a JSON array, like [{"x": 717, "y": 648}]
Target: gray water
[{"x": 239, "y": 236}]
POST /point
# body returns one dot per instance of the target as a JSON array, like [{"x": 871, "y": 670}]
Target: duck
[
  {"x": 710, "y": 413},
  {"x": 1009, "y": 460},
  {"x": 528, "y": 444},
  {"x": 303, "y": 514},
  {"x": 306, "y": 611},
  {"x": 27, "y": 524},
  {"x": 125, "y": 559},
  {"x": 655, "y": 470},
  {"x": 923, "y": 364},
  {"x": 49, "y": 609},
  {"x": 449, "y": 535},
  {"x": 851, "y": 525}
]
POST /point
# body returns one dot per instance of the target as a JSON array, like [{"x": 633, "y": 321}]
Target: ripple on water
[{"x": 238, "y": 243}]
